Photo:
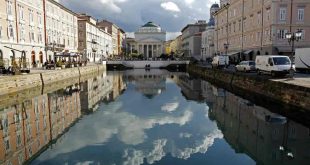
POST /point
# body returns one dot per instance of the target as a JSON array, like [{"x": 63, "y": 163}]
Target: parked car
[
  {"x": 273, "y": 64},
  {"x": 246, "y": 66},
  {"x": 220, "y": 61}
]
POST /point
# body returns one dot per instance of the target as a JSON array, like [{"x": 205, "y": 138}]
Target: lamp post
[{"x": 292, "y": 37}]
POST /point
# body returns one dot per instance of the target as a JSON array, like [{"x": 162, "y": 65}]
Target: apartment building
[
  {"x": 36, "y": 30},
  {"x": 121, "y": 42},
  {"x": 207, "y": 37},
  {"x": 61, "y": 29},
  {"x": 176, "y": 45},
  {"x": 191, "y": 39},
  {"x": 117, "y": 36},
  {"x": 94, "y": 40},
  {"x": 244, "y": 29},
  {"x": 22, "y": 30}
]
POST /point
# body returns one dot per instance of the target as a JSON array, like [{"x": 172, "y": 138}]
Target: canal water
[{"x": 147, "y": 117}]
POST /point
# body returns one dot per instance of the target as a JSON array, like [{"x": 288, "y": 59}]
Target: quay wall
[
  {"x": 262, "y": 88},
  {"x": 46, "y": 81}
]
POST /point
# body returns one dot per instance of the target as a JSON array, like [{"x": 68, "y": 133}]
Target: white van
[
  {"x": 302, "y": 59},
  {"x": 273, "y": 64},
  {"x": 220, "y": 61}
]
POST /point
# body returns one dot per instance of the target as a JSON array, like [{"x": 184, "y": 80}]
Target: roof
[{"x": 150, "y": 24}]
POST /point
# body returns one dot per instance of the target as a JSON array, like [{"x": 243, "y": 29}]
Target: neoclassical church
[{"x": 149, "y": 41}]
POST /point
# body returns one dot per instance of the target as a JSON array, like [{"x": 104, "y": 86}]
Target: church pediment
[{"x": 150, "y": 40}]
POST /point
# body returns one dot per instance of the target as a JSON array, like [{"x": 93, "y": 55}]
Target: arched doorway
[
  {"x": 23, "y": 59},
  {"x": 1, "y": 60},
  {"x": 13, "y": 60},
  {"x": 41, "y": 57},
  {"x": 33, "y": 58},
  {"x": 1, "y": 55}
]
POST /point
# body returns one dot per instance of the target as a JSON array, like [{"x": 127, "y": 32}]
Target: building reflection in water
[
  {"x": 95, "y": 90},
  {"x": 27, "y": 128},
  {"x": 267, "y": 137}
]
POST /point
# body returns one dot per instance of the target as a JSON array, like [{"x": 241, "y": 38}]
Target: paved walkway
[{"x": 299, "y": 79}]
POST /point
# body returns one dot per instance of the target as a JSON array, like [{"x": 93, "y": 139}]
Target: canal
[{"x": 147, "y": 117}]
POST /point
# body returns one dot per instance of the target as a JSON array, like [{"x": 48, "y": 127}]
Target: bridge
[{"x": 123, "y": 65}]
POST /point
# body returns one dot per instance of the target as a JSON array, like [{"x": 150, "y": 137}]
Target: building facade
[
  {"x": 207, "y": 37},
  {"x": 36, "y": 30},
  {"x": 176, "y": 45},
  {"x": 244, "y": 29},
  {"x": 191, "y": 39},
  {"x": 117, "y": 36},
  {"x": 94, "y": 41},
  {"x": 149, "y": 41},
  {"x": 61, "y": 29},
  {"x": 22, "y": 31}
]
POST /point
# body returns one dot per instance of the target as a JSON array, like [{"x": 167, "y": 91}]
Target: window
[
  {"x": 0, "y": 32},
  {"x": 31, "y": 16},
  {"x": 301, "y": 14},
  {"x": 9, "y": 8},
  {"x": 282, "y": 14},
  {"x": 22, "y": 34},
  {"x": 10, "y": 31},
  {"x": 40, "y": 37},
  {"x": 281, "y": 33},
  {"x": 302, "y": 33},
  {"x": 18, "y": 140},
  {"x": 268, "y": 14},
  {"x": 39, "y": 19},
  {"x": 7, "y": 145},
  {"x": 259, "y": 17},
  {"x": 21, "y": 12}
]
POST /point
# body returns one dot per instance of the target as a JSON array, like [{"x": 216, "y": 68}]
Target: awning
[
  {"x": 233, "y": 53},
  {"x": 72, "y": 54},
  {"x": 248, "y": 52}
]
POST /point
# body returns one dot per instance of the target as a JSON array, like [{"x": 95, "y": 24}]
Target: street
[{"x": 299, "y": 79}]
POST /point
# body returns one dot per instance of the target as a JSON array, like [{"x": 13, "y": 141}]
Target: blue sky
[{"x": 171, "y": 15}]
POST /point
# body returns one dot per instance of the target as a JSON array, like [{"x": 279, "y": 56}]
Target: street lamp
[{"x": 292, "y": 37}]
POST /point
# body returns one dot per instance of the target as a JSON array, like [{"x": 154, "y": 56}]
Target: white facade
[
  {"x": 61, "y": 29},
  {"x": 94, "y": 43},
  {"x": 207, "y": 43},
  {"x": 22, "y": 31},
  {"x": 149, "y": 41}
]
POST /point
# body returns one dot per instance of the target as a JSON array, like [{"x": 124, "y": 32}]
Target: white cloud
[
  {"x": 136, "y": 157},
  {"x": 170, "y": 6},
  {"x": 112, "y": 5},
  {"x": 200, "y": 148},
  {"x": 170, "y": 107},
  {"x": 189, "y": 1}
]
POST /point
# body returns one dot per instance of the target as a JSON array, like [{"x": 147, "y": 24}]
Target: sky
[{"x": 171, "y": 15}]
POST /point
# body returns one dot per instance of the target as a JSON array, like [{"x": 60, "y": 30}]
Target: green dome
[{"x": 150, "y": 24}]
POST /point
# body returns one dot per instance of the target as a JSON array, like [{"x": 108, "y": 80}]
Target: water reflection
[
  {"x": 149, "y": 123},
  {"x": 148, "y": 117},
  {"x": 29, "y": 126}
]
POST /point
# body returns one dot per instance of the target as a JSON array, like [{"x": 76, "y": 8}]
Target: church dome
[
  {"x": 150, "y": 24},
  {"x": 150, "y": 27}
]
